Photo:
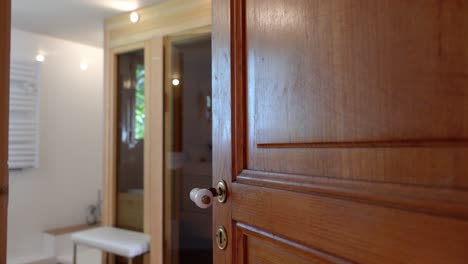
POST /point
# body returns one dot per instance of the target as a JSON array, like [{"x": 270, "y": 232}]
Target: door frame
[
  {"x": 110, "y": 196},
  {"x": 5, "y": 29},
  {"x": 121, "y": 36},
  {"x": 228, "y": 118}
]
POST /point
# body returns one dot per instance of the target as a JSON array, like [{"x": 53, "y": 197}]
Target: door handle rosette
[{"x": 203, "y": 198}]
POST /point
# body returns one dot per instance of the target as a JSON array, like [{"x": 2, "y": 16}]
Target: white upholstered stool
[{"x": 120, "y": 242}]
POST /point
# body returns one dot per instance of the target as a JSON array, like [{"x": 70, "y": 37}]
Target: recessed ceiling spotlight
[
  {"x": 175, "y": 82},
  {"x": 134, "y": 17},
  {"x": 40, "y": 58}
]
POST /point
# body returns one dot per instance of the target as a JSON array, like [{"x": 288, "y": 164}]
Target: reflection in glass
[
  {"x": 131, "y": 121},
  {"x": 188, "y": 143}
]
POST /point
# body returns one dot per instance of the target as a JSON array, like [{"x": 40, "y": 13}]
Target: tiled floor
[{"x": 90, "y": 256}]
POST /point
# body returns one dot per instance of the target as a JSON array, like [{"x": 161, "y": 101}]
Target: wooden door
[
  {"x": 341, "y": 128},
  {"x": 4, "y": 102}
]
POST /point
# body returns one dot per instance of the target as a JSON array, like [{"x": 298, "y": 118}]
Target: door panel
[
  {"x": 406, "y": 164},
  {"x": 359, "y": 87},
  {"x": 262, "y": 247},
  {"x": 362, "y": 232},
  {"x": 357, "y": 71},
  {"x": 340, "y": 127}
]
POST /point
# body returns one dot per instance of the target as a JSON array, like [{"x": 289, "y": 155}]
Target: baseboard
[{"x": 36, "y": 259}]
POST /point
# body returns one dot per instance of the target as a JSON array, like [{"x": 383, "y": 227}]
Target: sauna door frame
[
  {"x": 5, "y": 14},
  {"x": 111, "y": 126},
  {"x": 171, "y": 229},
  {"x": 121, "y": 36}
]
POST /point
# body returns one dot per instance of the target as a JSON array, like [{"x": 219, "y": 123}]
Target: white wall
[{"x": 70, "y": 171}]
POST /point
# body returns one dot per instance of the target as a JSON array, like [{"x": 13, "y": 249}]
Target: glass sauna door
[
  {"x": 131, "y": 128},
  {"x": 188, "y": 145}
]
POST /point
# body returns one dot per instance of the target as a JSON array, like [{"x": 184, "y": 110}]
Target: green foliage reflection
[{"x": 140, "y": 103}]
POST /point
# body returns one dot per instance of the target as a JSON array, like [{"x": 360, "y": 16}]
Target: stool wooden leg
[{"x": 74, "y": 253}]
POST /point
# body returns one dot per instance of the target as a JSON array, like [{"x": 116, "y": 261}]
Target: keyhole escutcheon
[{"x": 221, "y": 237}]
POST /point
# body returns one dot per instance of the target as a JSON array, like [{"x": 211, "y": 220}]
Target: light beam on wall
[{"x": 124, "y": 5}]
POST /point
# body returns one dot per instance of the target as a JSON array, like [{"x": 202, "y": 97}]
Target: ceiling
[{"x": 76, "y": 20}]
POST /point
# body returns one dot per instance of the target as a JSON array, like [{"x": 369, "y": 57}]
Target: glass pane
[
  {"x": 188, "y": 144},
  {"x": 131, "y": 116}
]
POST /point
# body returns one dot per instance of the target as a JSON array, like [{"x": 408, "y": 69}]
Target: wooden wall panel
[
  {"x": 161, "y": 19},
  {"x": 5, "y": 7}
]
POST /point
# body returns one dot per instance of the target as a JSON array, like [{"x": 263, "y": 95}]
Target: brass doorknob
[{"x": 203, "y": 198}]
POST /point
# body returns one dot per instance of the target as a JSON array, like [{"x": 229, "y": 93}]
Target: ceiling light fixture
[
  {"x": 84, "y": 66},
  {"x": 175, "y": 82},
  {"x": 40, "y": 58},
  {"x": 134, "y": 17}
]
